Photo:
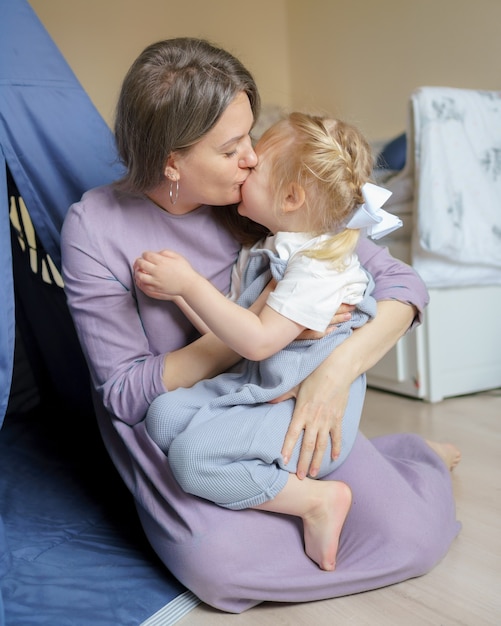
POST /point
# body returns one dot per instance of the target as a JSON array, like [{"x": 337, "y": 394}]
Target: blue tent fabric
[
  {"x": 7, "y": 324},
  {"x": 54, "y": 146},
  {"x": 53, "y": 140},
  {"x": 77, "y": 554}
]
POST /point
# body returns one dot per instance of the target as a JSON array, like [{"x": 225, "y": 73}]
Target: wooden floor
[{"x": 465, "y": 588}]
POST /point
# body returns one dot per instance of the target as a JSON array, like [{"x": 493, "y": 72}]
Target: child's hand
[
  {"x": 343, "y": 314},
  {"x": 162, "y": 275}
]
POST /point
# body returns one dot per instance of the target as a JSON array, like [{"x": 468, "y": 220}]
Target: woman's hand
[
  {"x": 321, "y": 401},
  {"x": 343, "y": 314},
  {"x": 320, "y": 406}
]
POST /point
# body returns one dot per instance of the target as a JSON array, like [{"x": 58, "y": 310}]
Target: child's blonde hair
[{"x": 331, "y": 160}]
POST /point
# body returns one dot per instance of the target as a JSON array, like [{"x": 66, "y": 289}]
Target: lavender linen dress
[{"x": 402, "y": 520}]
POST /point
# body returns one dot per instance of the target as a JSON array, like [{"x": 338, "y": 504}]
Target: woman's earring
[{"x": 174, "y": 193}]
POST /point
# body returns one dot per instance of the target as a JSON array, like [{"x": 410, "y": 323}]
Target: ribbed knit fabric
[{"x": 224, "y": 438}]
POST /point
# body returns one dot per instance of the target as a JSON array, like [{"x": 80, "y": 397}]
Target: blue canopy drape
[
  {"x": 54, "y": 142},
  {"x": 54, "y": 146}
]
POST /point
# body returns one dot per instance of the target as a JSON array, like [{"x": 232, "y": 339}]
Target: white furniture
[
  {"x": 456, "y": 351},
  {"x": 449, "y": 198}
]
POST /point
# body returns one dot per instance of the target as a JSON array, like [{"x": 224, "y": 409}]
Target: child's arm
[
  {"x": 167, "y": 274},
  {"x": 256, "y": 307},
  {"x": 204, "y": 358},
  {"x": 195, "y": 319}
]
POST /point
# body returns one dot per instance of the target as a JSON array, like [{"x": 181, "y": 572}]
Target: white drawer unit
[{"x": 456, "y": 351}]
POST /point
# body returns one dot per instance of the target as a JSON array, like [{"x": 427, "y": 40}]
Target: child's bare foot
[
  {"x": 448, "y": 452},
  {"x": 323, "y": 524}
]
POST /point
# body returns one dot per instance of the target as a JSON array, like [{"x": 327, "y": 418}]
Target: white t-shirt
[{"x": 310, "y": 291}]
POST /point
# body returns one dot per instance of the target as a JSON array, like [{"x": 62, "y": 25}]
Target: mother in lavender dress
[{"x": 180, "y": 99}]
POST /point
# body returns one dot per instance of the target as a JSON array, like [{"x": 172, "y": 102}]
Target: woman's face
[
  {"x": 257, "y": 194},
  {"x": 213, "y": 171}
]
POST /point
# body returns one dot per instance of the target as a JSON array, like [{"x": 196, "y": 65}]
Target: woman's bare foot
[
  {"x": 448, "y": 452},
  {"x": 324, "y": 522}
]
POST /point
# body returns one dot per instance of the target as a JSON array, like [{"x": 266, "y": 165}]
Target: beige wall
[
  {"x": 101, "y": 38},
  {"x": 359, "y": 59}
]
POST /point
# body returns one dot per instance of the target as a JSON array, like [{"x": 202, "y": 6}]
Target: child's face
[{"x": 257, "y": 197}]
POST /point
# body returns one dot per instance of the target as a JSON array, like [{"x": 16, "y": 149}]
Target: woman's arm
[{"x": 322, "y": 398}]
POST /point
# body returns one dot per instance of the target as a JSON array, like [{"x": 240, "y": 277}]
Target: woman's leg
[{"x": 401, "y": 524}]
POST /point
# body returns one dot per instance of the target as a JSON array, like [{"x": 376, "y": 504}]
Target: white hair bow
[{"x": 370, "y": 217}]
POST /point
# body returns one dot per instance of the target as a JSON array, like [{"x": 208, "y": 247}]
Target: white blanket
[{"x": 455, "y": 150}]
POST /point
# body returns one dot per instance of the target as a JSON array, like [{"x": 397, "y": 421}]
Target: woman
[{"x": 181, "y": 99}]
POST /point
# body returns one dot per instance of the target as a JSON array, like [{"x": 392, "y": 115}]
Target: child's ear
[{"x": 294, "y": 198}]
